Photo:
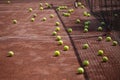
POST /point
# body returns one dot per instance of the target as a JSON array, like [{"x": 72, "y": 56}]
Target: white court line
[
  {"x": 20, "y": 10},
  {"x": 36, "y": 38},
  {"x": 8, "y": 6},
  {"x": 32, "y": 36},
  {"x": 25, "y": 38},
  {"x": 14, "y": 11},
  {"x": 85, "y": 35}
]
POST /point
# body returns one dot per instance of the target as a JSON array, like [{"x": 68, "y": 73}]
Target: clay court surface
[{"x": 34, "y": 45}]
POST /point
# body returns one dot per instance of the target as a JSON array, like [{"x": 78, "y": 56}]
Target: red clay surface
[
  {"x": 34, "y": 45},
  {"x": 97, "y": 70}
]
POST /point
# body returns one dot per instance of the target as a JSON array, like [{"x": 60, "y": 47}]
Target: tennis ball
[
  {"x": 57, "y": 23},
  {"x": 104, "y": 58},
  {"x": 100, "y": 28},
  {"x": 60, "y": 42},
  {"x": 66, "y": 48},
  {"x": 77, "y": 20},
  {"x": 30, "y": 9},
  {"x": 51, "y": 15},
  {"x": 108, "y": 39},
  {"x": 69, "y": 30},
  {"x": 85, "y": 46},
  {"x": 34, "y": 15},
  {"x": 57, "y": 29},
  {"x": 57, "y": 53},
  {"x": 100, "y": 52},
  {"x": 100, "y": 38},
  {"x": 41, "y": 8},
  {"x": 32, "y": 19},
  {"x": 58, "y": 38},
  {"x": 115, "y": 43},
  {"x": 85, "y": 30},
  {"x": 54, "y": 33},
  {"x": 14, "y": 21},
  {"x": 85, "y": 62},
  {"x": 80, "y": 70},
  {"x": 10, "y": 53}
]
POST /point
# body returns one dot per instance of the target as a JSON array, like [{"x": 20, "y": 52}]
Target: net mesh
[{"x": 105, "y": 10}]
